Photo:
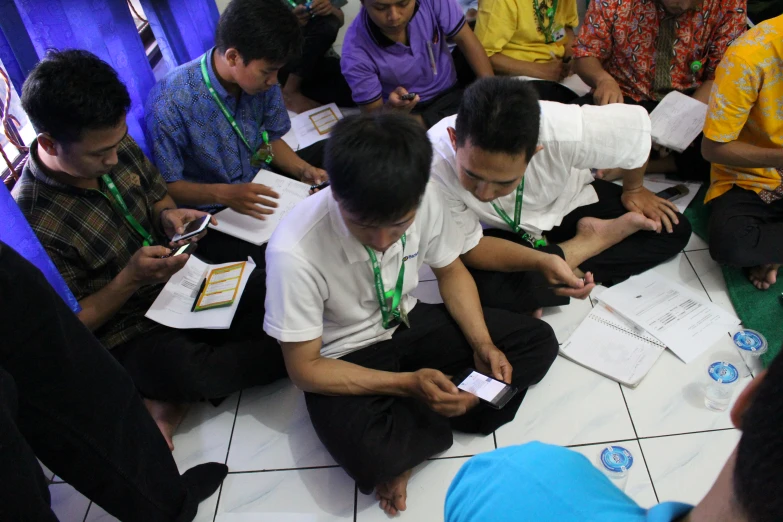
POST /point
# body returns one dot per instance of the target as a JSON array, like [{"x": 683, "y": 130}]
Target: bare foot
[
  {"x": 167, "y": 416},
  {"x": 392, "y": 495},
  {"x": 609, "y": 232},
  {"x": 299, "y": 103},
  {"x": 764, "y": 276}
]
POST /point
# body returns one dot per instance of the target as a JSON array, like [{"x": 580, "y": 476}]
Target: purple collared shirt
[{"x": 374, "y": 65}]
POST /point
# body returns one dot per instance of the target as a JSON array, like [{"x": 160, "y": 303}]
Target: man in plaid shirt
[{"x": 102, "y": 212}]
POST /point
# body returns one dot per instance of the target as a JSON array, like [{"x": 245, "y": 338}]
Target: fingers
[
  {"x": 444, "y": 383},
  {"x": 255, "y": 211},
  {"x": 577, "y": 293},
  {"x": 262, "y": 190},
  {"x": 155, "y": 251}
]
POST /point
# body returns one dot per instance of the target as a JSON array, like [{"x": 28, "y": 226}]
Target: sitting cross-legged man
[{"x": 375, "y": 365}]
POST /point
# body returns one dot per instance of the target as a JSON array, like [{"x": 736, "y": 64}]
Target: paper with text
[
  {"x": 685, "y": 322},
  {"x": 677, "y": 121},
  {"x": 314, "y": 125},
  {"x": 255, "y": 230},
  {"x": 173, "y": 305}
]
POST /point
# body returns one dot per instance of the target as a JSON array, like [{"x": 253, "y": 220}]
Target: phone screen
[
  {"x": 181, "y": 250},
  {"x": 195, "y": 226},
  {"x": 485, "y": 388}
]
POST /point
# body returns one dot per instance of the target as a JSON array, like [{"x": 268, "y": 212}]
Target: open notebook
[{"x": 610, "y": 346}]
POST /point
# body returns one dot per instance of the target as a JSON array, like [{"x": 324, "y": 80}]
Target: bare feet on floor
[
  {"x": 609, "y": 232},
  {"x": 764, "y": 276},
  {"x": 299, "y": 103},
  {"x": 392, "y": 495},
  {"x": 167, "y": 416}
]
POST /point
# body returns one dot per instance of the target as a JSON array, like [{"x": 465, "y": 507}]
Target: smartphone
[
  {"x": 193, "y": 228},
  {"x": 493, "y": 392},
  {"x": 673, "y": 193},
  {"x": 184, "y": 249},
  {"x": 408, "y": 97}
]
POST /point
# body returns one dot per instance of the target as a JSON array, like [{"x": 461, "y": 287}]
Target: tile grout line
[
  {"x": 303, "y": 468},
  {"x": 698, "y": 277},
  {"x": 355, "y": 501},
  {"x": 495, "y": 438},
  {"x": 687, "y": 433},
  {"x": 228, "y": 450},
  {"x": 87, "y": 513},
  {"x": 638, "y": 440}
]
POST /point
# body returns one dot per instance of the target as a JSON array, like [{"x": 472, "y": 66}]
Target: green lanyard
[
  {"x": 392, "y": 315},
  {"x": 550, "y": 15},
  {"x": 146, "y": 236},
  {"x": 514, "y": 225},
  {"x": 260, "y": 156}
]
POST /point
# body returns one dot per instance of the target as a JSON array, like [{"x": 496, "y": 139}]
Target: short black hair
[
  {"x": 758, "y": 472},
  {"x": 499, "y": 114},
  {"x": 379, "y": 165},
  {"x": 72, "y": 91},
  {"x": 259, "y": 30}
]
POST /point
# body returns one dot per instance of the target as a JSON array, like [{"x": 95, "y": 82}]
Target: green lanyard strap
[
  {"x": 146, "y": 236},
  {"x": 263, "y": 154},
  {"x": 391, "y": 314},
  {"x": 514, "y": 225},
  {"x": 550, "y": 17}
]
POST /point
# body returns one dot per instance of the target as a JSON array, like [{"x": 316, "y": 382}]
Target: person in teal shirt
[{"x": 539, "y": 482}]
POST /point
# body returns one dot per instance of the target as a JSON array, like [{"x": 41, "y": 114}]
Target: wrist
[
  {"x": 406, "y": 384},
  {"x": 126, "y": 283},
  {"x": 219, "y": 194},
  {"x": 160, "y": 219}
]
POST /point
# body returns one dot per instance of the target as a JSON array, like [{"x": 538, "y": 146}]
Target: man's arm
[
  {"x": 637, "y": 198},
  {"x": 703, "y": 92},
  {"x": 290, "y": 163},
  {"x": 740, "y": 154},
  {"x": 552, "y": 70},
  {"x": 474, "y": 52},
  {"x": 606, "y": 88}
]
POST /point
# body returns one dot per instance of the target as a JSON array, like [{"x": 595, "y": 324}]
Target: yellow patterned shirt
[{"x": 746, "y": 104}]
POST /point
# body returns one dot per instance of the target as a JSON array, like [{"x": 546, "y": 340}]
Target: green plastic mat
[{"x": 759, "y": 310}]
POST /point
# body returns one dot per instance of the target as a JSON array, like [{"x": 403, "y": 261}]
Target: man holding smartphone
[
  {"x": 102, "y": 212},
  {"x": 375, "y": 365}
]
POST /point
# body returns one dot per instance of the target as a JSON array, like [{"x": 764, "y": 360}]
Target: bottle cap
[
  {"x": 723, "y": 372},
  {"x": 751, "y": 341},
  {"x": 616, "y": 459}
]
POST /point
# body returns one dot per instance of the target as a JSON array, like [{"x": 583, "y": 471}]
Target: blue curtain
[
  {"x": 103, "y": 27},
  {"x": 184, "y": 29},
  {"x": 16, "y": 233},
  {"x": 17, "y": 53}
]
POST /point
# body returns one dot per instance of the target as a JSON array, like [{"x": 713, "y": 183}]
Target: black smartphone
[
  {"x": 408, "y": 97},
  {"x": 673, "y": 193},
  {"x": 184, "y": 249},
  {"x": 493, "y": 392}
]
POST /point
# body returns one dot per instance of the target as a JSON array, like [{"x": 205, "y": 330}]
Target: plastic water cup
[
  {"x": 722, "y": 380},
  {"x": 751, "y": 345},
  {"x": 615, "y": 462}
]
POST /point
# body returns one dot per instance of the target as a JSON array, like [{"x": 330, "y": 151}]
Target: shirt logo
[{"x": 412, "y": 256}]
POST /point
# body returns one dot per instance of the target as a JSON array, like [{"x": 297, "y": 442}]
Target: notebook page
[{"x": 677, "y": 121}]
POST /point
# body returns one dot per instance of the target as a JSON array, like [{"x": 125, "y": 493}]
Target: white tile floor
[{"x": 280, "y": 472}]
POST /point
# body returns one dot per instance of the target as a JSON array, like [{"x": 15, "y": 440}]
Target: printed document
[
  {"x": 684, "y": 321},
  {"x": 677, "y": 121},
  {"x": 314, "y": 125},
  {"x": 173, "y": 306}
]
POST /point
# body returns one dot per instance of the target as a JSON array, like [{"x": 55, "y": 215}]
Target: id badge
[{"x": 558, "y": 32}]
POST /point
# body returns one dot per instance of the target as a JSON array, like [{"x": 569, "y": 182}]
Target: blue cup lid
[
  {"x": 725, "y": 372},
  {"x": 615, "y": 458},
  {"x": 750, "y": 340}
]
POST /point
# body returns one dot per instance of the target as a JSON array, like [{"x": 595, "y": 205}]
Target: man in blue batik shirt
[{"x": 208, "y": 161}]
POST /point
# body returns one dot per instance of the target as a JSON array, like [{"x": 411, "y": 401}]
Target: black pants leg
[
  {"x": 217, "y": 247},
  {"x": 520, "y": 292},
  {"x": 552, "y": 91},
  {"x": 636, "y": 253},
  {"x": 77, "y": 410},
  {"x": 434, "y": 110},
  {"x": 191, "y": 365},
  {"x": 376, "y": 438},
  {"x": 744, "y": 230}
]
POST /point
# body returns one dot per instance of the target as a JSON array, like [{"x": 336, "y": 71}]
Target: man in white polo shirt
[
  {"x": 374, "y": 364},
  {"x": 515, "y": 171}
]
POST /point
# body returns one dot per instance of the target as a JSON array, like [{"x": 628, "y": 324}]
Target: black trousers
[
  {"x": 174, "y": 365},
  {"x": 553, "y": 91},
  {"x": 443, "y": 105},
  {"x": 744, "y": 230},
  {"x": 217, "y": 247},
  {"x": 691, "y": 165},
  {"x": 66, "y": 400},
  {"x": 376, "y": 438},
  {"x": 322, "y": 79},
  {"x": 525, "y": 291}
]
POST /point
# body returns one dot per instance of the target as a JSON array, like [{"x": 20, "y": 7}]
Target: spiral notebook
[{"x": 612, "y": 347}]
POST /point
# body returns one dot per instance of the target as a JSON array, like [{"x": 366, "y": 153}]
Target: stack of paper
[{"x": 677, "y": 121}]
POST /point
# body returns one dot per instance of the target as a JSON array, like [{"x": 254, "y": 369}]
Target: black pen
[
  {"x": 200, "y": 290},
  {"x": 321, "y": 186}
]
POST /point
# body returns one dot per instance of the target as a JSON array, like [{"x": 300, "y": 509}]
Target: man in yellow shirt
[
  {"x": 743, "y": 138},
  {"x": 530, "y": 38}
]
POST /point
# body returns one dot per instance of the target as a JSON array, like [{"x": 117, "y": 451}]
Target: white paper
[
  {"x": 682, "y": 320},
  {"x": 312, "y": 126},
  {"x": 258, "y": 231},
  {"x": 604, "y": 343},
  {"x": 173, "y": 305},
  {"x": 677, "y": 121}
]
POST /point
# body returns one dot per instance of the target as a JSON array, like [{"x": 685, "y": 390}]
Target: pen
[
  {"x": 200, "y": 290},
  {"x": 432, "y": 59},
  {"x": 321, "y": 186}
]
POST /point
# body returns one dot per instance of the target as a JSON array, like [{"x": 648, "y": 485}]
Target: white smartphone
[{"x": 193, "y": 228}]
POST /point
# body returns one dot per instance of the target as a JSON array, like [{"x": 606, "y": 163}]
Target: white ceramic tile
[
  {"x": 684, "y": 467},
  {"x": 427, "y": 292},
  {"x": 670, "y": 399},
  {"x": 49, "y": 474},
  {"x": 679, "y": 270},
  {"x": 565, "y": 319},
  {"x": 638, "y": 486},
  {"x": 425, "y": 273},
  {"x": 206, "y": 511},
  {"x": 426, "y": 494},
  {"x": 696, "y": 243},
  {"x": 312, "y": 495},
  {"x": 711, "y": 277},
  {"x": 572, "y": 405},
  {"x": 467, "y": 445},
  {"x": 205, "y": 433},
  {"x": 68, "y": 504},
  {"x": 273, "y": 431}
]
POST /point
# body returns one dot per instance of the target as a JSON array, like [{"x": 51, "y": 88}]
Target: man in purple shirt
[{"x": 396, "y": 48}]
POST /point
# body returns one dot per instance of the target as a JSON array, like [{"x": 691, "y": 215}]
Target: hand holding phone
[
  {"x": 408, "y": 97},
  {"x": 193, "y": 228},
  {"x": 488, "y": 390},
  {"x": 184, "y": 249},
  {"x": 441, "y": 395}
]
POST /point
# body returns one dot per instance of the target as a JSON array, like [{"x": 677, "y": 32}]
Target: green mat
[{"x": 758, "y": 309}]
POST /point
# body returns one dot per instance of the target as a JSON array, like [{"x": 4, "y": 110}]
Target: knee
[
  {"x": 730, "y": 243},
  {"x": 680, "y": 234}
]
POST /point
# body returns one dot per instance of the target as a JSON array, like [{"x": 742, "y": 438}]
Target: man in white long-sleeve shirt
[{"x": 516, "y": 174}]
